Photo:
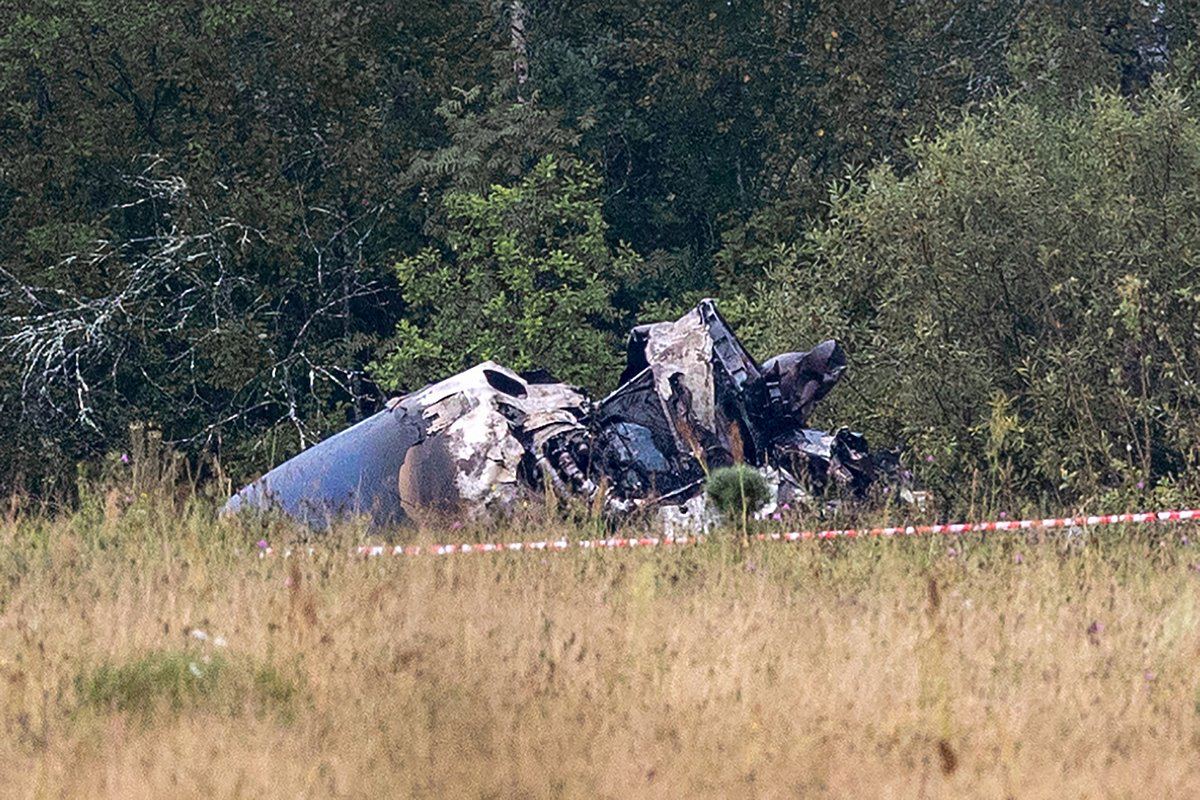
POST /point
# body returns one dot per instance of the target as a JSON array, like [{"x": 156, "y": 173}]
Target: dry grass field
[{"x": 147, "y": 653}]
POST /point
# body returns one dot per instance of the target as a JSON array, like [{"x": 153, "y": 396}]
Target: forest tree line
[{"x": 248, "y": 222}]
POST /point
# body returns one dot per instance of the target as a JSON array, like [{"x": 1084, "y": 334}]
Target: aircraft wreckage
[{"x": 691, "y": 399}]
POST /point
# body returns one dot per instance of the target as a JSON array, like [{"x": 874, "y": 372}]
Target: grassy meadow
[{"x": 147, "y": 652}]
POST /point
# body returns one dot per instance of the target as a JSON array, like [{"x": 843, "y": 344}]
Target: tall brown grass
[{"x": 931, "y": 668}]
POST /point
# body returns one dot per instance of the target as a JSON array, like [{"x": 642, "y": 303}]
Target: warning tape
[{"x": 619, "y": 543}]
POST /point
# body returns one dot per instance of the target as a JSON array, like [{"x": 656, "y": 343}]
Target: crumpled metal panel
[
  {"x": 796, "y": 382},
  {"x": 684, "y": 384},
  {"x": 825, "y": 460},
  {"x": 691, "y": 399},
  {"x": 454, "y": 447},
  {"x": 353, "y": 472}
]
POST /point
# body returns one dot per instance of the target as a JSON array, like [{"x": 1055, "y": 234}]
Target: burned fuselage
[{"x": 691, "y": 399}]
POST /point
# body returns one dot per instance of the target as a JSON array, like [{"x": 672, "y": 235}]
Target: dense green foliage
[
  {"x": 200, "y": 204},
  {"x": 525, "y": 277},
  {"x": 246, "y": 221},
  {"x": 1026, "y": 302}
]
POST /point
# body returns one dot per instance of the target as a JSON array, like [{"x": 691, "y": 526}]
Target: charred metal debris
[{"x": 691, "y": 399}]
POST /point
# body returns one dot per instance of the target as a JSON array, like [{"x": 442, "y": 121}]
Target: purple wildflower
[
  {"x": 125, "y": 458},
  {"x": 777, "y": 516},
  {"x": 929, "y": 458},
  {"x": 1018, "y": 559},
  {"x": 1003, "y": 515},
  {"x": 262, "y": 544},
  {"x": 1141, "y": 484}
]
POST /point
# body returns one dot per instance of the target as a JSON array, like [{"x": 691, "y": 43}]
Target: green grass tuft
[
  {"x": 179, "y": 680},
  {"x": 737, "y": 491}
]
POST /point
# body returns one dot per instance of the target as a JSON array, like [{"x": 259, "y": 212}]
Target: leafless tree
[{"x": 170, "y": 296}]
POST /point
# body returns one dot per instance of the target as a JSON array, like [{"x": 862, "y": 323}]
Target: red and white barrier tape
[{"x": 616, "y": 543}]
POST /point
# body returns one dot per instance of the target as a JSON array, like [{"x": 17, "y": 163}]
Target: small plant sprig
[{"x": 738, "y": 492}]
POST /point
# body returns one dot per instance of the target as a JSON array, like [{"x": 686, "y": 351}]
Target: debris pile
[{"x": 691, "y": 399}]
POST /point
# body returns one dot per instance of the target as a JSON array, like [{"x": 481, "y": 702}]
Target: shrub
[
  {"x": 737, "y": 491},
  {"x": 1023, "y": 304},
  {"x": 524, "y": 276}
]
